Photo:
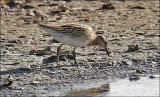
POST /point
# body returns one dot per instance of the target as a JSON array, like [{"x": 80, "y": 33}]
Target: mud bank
[{"x": 28, "y": 53}]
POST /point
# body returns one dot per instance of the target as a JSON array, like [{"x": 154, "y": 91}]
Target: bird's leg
[
  {"x": 74, "y": 56},
  {"x": 58, "y": 50}
]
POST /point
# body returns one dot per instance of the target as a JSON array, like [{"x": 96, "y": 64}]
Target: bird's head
[{"x": 102, "y": 41}]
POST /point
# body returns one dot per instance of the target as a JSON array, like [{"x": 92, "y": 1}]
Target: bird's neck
[{"x": 93, "y": 41}]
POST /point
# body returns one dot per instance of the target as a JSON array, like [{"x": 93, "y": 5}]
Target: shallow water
[
  {"x": 143, "y": 87},
  {"x": 122, "y": 87}
]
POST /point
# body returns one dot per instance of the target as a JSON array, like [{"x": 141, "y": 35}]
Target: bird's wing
[{"x": 55, "y": 28}]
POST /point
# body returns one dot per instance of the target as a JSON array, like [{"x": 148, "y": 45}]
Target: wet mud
[{"x": 28, "y": 53}]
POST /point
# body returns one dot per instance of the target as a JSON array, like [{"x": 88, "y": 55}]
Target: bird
[{"x": 76, "y": 35}]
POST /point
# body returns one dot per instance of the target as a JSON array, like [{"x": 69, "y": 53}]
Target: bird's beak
[{"x": 107, "y": 50}]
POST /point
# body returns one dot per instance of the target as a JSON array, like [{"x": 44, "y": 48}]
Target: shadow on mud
[
  {"x": 17, "y": 71},
  {"x": 29, "y": 70}
]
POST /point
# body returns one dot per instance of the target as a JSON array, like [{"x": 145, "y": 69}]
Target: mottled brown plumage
[{"x": 76, "y": 35}]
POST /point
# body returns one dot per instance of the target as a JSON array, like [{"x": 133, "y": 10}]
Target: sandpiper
[{"x": 76, "y": 35}]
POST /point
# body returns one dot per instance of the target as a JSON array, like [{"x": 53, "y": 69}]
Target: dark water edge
[{"x": 145, "y": 86}]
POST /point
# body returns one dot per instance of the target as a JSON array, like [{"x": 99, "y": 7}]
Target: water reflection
[{"x": 90, "y": 92}]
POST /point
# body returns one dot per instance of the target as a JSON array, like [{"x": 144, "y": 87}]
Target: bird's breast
[{"x": 73, "y": 41}]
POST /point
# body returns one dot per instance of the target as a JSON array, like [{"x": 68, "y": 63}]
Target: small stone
[
  {"x": 62, "y": 58},
  {"x": 140, "y": 71},
  {"x": 134, "y": 78},
  {"x": 137, "y": 7},
  {"x": 132, "y": 48},
  {"x": 50, "y": 59},
  {"x": 55, "y": 41},
  {"x": 108, "y": 6},
  {"x": 22, "y": 36},
  {"x": 151, "y": 77},
  {"x": 70, "y": 57},
  {"x": 27, "y": 6}
]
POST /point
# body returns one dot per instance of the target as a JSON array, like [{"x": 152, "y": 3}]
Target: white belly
[
  {"x": 71, "y": 41},
  {"x": 76, "y": 42}
]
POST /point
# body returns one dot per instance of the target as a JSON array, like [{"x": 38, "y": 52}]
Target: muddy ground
[{"x": 28, "y": 53}]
